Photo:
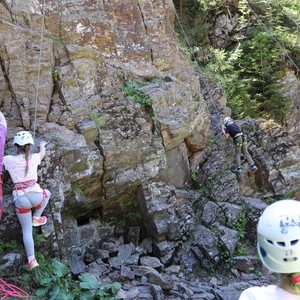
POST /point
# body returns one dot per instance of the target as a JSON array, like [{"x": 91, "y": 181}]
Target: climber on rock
[
  {"x": 29, "y": 198},
  {"x": 231, "y": 129}
]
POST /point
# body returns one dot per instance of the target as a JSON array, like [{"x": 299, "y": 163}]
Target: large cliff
[{"x": 60, "y": 78}]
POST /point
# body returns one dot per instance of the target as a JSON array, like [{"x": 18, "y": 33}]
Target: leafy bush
[{"x": 54, "y": 281}]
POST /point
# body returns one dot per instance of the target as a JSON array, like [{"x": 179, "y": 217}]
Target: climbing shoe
[
  {"x": 236, "y": 170},
  {"x": 32, "y": 264},
  {"x": 39, "y": 221},
  {"x": 253, "y": 169}
]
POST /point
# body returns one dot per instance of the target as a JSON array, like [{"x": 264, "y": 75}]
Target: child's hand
[{"x": 43, "y": 143}]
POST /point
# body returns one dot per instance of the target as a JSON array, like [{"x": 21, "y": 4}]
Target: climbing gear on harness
[
  {"x": 227, "y": 120},
  {"x": 32, "y": 264},
  {"x": 244, "y": 141},
  {"x": 23, "y": 138},
  {"x": 39, "y": 221},
  {"x": 278, "y": 234},
  {"x": 236, "y": 170},
  {"x": 237, "y": 135}
]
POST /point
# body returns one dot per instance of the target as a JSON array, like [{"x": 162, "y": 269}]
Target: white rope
[
  {"x": 272, "y": 36},
  {"x": 39, "y": 68}
]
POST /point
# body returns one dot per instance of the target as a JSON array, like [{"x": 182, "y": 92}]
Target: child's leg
[
  {"x": 25, "y": 220},
  {"x": 38, "y": 212}
]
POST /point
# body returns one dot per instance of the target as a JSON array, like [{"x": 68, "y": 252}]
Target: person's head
[
  {"x": 22, "y": 143},
  {"x": 278, "y": 238},
  {"x": 227, "y": 121}
]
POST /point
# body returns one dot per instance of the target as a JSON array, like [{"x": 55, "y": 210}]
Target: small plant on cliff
[
  {"x": 55, "y": 74},
  {"x": 240, "y": 225},
  {"x": 132, "y": 91},
  {"x": 132, "y": 214},
  {"x": 97, "y": 119}
]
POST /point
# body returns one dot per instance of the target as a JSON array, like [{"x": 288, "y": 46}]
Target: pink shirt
[{"x": 16, "y": 165}]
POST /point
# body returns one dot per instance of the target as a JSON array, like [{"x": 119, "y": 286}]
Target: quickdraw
[{"x": 244, "y": 142}]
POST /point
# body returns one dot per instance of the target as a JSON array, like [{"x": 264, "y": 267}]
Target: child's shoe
[
  {"x": 32, "y": 264},
  {"x": 39, "y": 221}
]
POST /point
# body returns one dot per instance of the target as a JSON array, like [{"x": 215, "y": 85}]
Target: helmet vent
[
  {"x": 270, "y": 242},
  {"x": 281, "y": 244},
  {"x": 294, "y": 242},
  {"x": 291, "y": 259}
]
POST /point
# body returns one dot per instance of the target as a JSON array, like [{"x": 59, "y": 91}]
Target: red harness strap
[
  {"x": 43, "y": 200},
  {"x": 23, "y": 185},
  {"x": 21, "y": 210}
]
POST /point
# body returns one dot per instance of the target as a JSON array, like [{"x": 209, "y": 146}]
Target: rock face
[{"x": 65, "y": 81}]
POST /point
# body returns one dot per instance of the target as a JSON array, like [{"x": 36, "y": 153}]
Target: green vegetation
[
  {"x": 53, "y": 280},
  {"x": 252, "y": 68},
  {"x": 132, "y": 91},
  {"x": 55, "y": 74},
  {"x": 97, "y": 119},
  {"x": 8, "y": 246},
  {"x": 240, "y": 225},
  {"x": 242, "y": 249},
  {"x": 194, "y": 176},
  {"x": 131, "y": 212}
]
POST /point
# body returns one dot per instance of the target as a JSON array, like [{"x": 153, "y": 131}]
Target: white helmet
[
  {"x": 278, "y": 236},
  {"x": 23, "y": 137},
  {"x": 227, "y": 120}
]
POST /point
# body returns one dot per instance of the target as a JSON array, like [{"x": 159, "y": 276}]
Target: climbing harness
[
  {"x": 10, "y": 290},
  {"x": 20, "y": 186},
  {"x": 24, "y": 184},
  {"x": 244, "y": 141},
  {"x": 237, "y": 135}
]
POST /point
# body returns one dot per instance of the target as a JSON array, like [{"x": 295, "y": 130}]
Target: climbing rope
[
  {"x": 201, "y": 76},
  {"x": 39, "y": 68},
  {"x": 10, "y": 290}
]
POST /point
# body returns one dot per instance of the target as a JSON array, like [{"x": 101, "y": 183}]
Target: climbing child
[
  {"x": 27, "y": 193},
  {"x": 231, "y": 129},
  {"x": 3, "y": 133},
  {"x": 278, "y": 244}
]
